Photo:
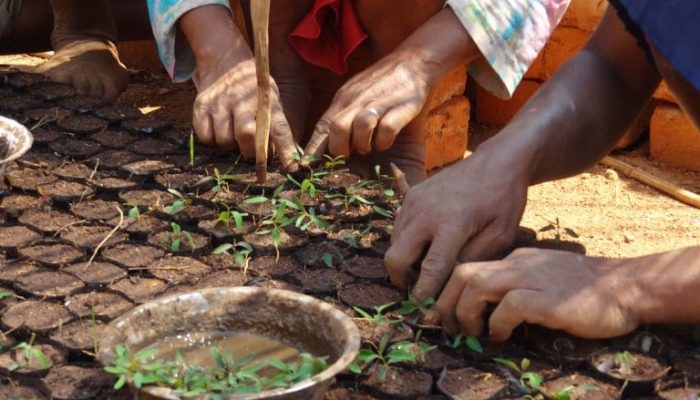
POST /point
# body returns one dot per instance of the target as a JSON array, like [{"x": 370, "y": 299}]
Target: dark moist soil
[
  {"x": 321, "y": 281},
  {"x": 76, "y": 148},
  {"x": 177, "y": 270},
  {"x": 322, "y": 255},
  {"x": 678, "y": 388},
  {"x": 52, "y": 254},
  {"x": 88, "y": 237},
  {"x": 582, "y": 387},
  {"x": 132, "y": 255},
  {"x": 223, "y": 231},
  {"x": 96, "y": 210},
  {"x": 181, "y": 181},
  {"x": 61, "y": 190},
  {"x": 193, "y": 213},
  {"x": 79, "y": 335},
  {"x": 629, "y": 365},
  {"x": 148, "y": 125},
  {"x": 164, "y": 239},
  {"x": 49, "y": 284},
  {"x": 12, "y": 237},
  {"x": 15, "y": 204},
  {"x": 36, "y": 316},
  {"x": 364, "y": 267},
  {"x": 371, "y": 332},
  {"x": 97, "y": 305},
  {"x": 47, "y": 221},
  {"x": 41, "y": 160},
  {"x": 139, "y": 289},
  {"x": 114, "y": 139},
  {"x": 401, "y": 383},
  {"x": 82, "y": 124},
  {"x": 28, "y": 178},
  {"x": 225, "y": 278},
  {"x": 264, "y": 244},
  {"x": 19, "y": 103},
  {"x": 22, "y": 80},
  {"x": 147, "y": 199},
  {"x": 71, "y": 382},
  {"x": 113, "y": 184},
  {"x": 73, "y": 171},
  {"x": 471, "y": 383},
  {"x": 273, "y": 266},
  {"x": 16, "y": 390},
  {"x": 10, "y": 359},
  {"x": 41, "y": 116},
  {"x": 81, "y": 104},
  {"x": 146, "y": 167},
  {"x": 43, "y": 136},
  {"x": 51, "y": 91},
  {"x": 152, "y": 147},
  {"x": 96, "y": 273},
  {"x": 117, "y": 112},
  {"x": 113, "y": 159},
  {"x": 12, "y": 270},
  {"x": 142, "y": 225},
  {"x": 368, "y": 295}
]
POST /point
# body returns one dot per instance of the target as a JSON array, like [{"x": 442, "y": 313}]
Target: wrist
[{"x": 439, "y": 46}]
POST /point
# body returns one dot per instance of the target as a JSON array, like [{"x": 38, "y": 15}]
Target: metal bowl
[
  {"x": 297, "y": 320},
  {"x": 15, "y": 140}
]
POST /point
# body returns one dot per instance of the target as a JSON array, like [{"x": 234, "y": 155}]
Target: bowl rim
[
  {"x": 348, "y": 354},
  {"x": 21, "y": 130}
]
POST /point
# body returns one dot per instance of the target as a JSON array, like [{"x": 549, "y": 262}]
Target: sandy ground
[{"x": 614, "y": 216}]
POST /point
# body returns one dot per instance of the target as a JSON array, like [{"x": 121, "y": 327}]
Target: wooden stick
[
  {"x": 260, "y": 15},
  {"x": 680, "y": 194}
]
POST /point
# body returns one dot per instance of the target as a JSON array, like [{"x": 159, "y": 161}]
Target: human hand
[
  {"x": 370, "y": 110},
  {"x": 225, "y": 109},
  {"x": 91, "y": 65},
  {"x": 468, "y": 212},
  {"x": 581, "y": 295}
]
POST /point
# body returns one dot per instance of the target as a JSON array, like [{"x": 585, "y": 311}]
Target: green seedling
[
  {"x": 221, "y": 181},
  {"x": 348, "y": 198},
  {"x": 232, "y": 215},
  {"x": 134, "y": 212},
  {"x": 382, "y": 356},
  {"x": 191, "y": 147},
  {"x": 306, "y": 186},
  {"x": 471, "y": 342},
  {"x": 6, "y": 293},
  {"x": 240, "y": 251},
  {"x": 621, "y": 362},
  {"x": 409, "y": 307},
  {"x": 378, "y": 318},
  {"x": 381, "y": 178},
  {"x": 565, "y": 393},
  {"x": 559, "y": 232},
  {"x": 179, "y": 203},
  {"x": 529, "y": 381},
  {"x": 227, "y": 376},
  {"x": 332, "y": 163},
  {"x": 31, "y": 353},
  {"x": 176, "y": 237}
]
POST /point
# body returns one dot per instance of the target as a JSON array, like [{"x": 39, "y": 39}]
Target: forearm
[
  {"x": 579, "y": 114},
  {"x": 439, "y": 46},
  {"x": 212, "y": 35},
  {"x": 665, "y": 287}
]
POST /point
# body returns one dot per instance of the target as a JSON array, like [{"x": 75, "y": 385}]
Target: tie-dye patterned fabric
[
  {"x": 510, "y": 34},
  {"x": 176, "y": 55}
]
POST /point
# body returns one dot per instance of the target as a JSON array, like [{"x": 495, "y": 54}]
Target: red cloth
[{"x": 328, "y": 34}]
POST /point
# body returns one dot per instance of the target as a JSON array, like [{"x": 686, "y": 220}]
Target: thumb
[{"x": 400, "y": 180}]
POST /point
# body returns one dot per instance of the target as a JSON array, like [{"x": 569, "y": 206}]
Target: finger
[
  {"x": 487, "y": 243},
  {"x": 516, "y": 307},
  {"x": 81, "y": 83},
  {"x": 446, "y": 304},
  {"x": 391, "y": 124},
  {"x": 399, "y": 180},
  {"x": 363, "y": 127},
  {"x": 318, "y": 144},
  {"x": 339, "y": 140},
  {"x": 244, "y": 128},
  {"x": 203, "y": 126},
  {"x": 224, "y": 134},
  {"x": 111, "y": 91},
  {"x": 471, "y": 304},
  {"x": 437, "y": 264},
  {"x": 405, "y": 251},
  {"x": 283, "y": 140},
  {"x": 96, "y": 88}
]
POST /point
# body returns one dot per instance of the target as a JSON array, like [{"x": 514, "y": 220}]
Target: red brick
[
  {"x": 674, "y": 138},
  {"x": 446, "y": 132},
  {"x": 563, "y": 44},
  {"x": 452, "y": 84},
  {"x": 584, "y": 14},
  {"x": 495, "y": 111}
]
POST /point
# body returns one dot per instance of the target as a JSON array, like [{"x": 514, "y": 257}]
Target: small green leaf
[
  {"x": 6, "y": 293},
  {"x": 328, "y": 260},
  {"x": 474, "y": 345},
  {"x": 256, "y": 200},
  {"x": 383, "y": 212},
  {"x": 176, "y": 207},
  {"x": 355, "y": 368},
  {"x": 508, "y": 363}
]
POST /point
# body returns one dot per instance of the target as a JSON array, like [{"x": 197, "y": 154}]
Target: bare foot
[
  {"x": 91, "y": 65},
  {"x": 85, "y": 55}
]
